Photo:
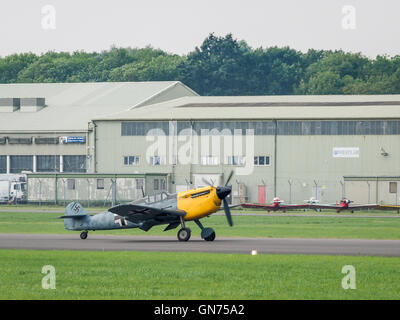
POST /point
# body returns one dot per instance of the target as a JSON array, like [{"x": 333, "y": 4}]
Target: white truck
[{"x": 12, "y": 188}]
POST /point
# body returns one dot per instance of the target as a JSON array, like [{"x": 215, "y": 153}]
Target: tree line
[{"x": 219, "y": 66}]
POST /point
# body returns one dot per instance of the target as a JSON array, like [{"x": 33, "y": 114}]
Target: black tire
[
  {"x": 184, "y": 234},
  {"x": 211, "y": 237},
  {"x": 84, "y": 235}
]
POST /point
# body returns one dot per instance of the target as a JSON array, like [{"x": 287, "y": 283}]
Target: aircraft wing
[
  {"x": 294, "y": 206},
  {"x": 336, "y": 207},
  {"x": 271, "y": 207},
  {"x": 388, "y": 207},
  {"x": 257, "y": 206},
  {"x": 140, "y": 213},
  {"x": 323, "y": 206},
  {"x": 363, "y": 206}
]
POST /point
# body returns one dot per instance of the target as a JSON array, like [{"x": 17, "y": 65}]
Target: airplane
[
  {"x": 276, "y": 206},
  {"x": 389, "y": 207},
  {"x": 311, "y": 204},
  {"x": 344, "y": 204},
  {"x": 145, "y": 213}
]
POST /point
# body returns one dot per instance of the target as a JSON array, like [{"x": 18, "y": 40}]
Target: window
[
  {"x": 163, "y": 184},
  {"x": 21, "y": 163},
  {"x": 74, "y": 163},
  {"x": 209, "y": 160},
  {"x": 392, "y": 187},
  {"x": 236, "y": 160},
  {"x": 100, "y": 184},
  {"x": 265, "y": 127},
  {"x": 156, "y": 161},
  {"x": 131, "y": 160},
  {"x": 261, "y": 161},
  {"x": 142, "y": 128},
  {"x": 48, "y": 164},
  {"x": 156, "y": 184},
  {"x": 3, "y": 164},
  {"x": 139, "y": 183},
  {"x": 71, "y": 184}
]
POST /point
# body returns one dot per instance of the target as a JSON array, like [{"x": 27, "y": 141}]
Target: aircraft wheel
[
  {"x": 84, "y": 235},
  {"x": 211, "y": 237},
  {"x": 208, "y": 234},
  {"x": 184, "y": 234}
]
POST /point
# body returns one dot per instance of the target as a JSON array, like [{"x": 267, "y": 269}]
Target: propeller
[{"x": 222, "y": 193}]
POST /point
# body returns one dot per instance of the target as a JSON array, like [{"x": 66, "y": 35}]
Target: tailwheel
[
  {"x": 208, "y": 234},
  {"x": 184, "y": 234},
  {"x": 84, "y": 235}
]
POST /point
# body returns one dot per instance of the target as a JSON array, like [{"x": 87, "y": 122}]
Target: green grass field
[
  {"x": 154, "y": 275},
  {"x": 244, "y": 226},
  {"x": 162, "y": 275}
]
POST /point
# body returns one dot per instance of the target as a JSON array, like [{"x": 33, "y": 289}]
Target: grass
[
  {"x": 244, "y": 226},
  {"x": 155, "y": 275}
]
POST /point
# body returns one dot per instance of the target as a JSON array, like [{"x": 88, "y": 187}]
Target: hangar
[
  {"x": 325, "y": 147},
  {"x": 46, "y": 129},
  {"x": 104, "y": 141}
]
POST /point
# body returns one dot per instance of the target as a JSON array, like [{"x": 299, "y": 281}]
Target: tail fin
[{"x": 74, "y": 210}]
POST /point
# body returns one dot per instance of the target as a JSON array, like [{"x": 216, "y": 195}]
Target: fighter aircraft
[
  {"x": 164, "y": 208},
  {"x": 344, "y": 205},
  {"x": 276, "y": 206}
]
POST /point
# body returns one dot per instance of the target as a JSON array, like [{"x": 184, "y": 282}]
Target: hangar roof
[
  {"x": 70, "y": 106},
  {"x": 268, "y": 107}
]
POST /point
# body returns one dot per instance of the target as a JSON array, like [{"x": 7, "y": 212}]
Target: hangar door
[{"x": 261, "y": 194}]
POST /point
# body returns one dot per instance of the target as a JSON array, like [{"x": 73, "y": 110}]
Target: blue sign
[{"x": 72, "y": 140}]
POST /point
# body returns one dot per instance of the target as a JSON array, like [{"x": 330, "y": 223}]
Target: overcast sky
[{"x": 177, "y": 26}]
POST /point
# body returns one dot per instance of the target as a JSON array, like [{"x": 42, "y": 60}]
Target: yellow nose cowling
[{"x": 199, "y": 203}]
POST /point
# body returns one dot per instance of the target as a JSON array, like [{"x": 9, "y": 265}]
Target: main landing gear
[
  {"x": 84, "y": 235},
  {"x": 184, "y": 233},
  {"x": 208, "y": 234}
]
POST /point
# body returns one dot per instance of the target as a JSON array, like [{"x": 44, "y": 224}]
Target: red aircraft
[
  {"x": 344, "y": 205},
  {"x": 276, "y": 206}
]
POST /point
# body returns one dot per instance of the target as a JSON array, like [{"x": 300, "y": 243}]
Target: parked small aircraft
[
  {"x": 389, "y": 207},
  {"x": 276, "y": 206},
  {"x": 164, "y": 208},
  {"x": 311, "y": 204},
  {"x": 344, "y": 204}
]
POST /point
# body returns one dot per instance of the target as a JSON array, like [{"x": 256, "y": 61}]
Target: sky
[{"x": 371, "y": 27}]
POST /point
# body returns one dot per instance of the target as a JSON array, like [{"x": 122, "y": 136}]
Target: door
[{"x": 261, "y": 194}]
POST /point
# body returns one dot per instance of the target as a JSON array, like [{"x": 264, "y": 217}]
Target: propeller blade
[
  {"x": 227, "y": 212},
  {"x": 229, "y": 178}
]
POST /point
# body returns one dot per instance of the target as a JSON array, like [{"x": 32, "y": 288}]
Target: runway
[{"x": 195, "y": 244}]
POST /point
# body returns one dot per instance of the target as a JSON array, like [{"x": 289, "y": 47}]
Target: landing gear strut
[
  {"x": 208, "y": 234},
  {"x": 184, "y": 233},
  {"x": 84, "y": 235}
]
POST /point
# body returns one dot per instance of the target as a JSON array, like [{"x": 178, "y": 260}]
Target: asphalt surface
[{"x": 220, "y": 245}]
